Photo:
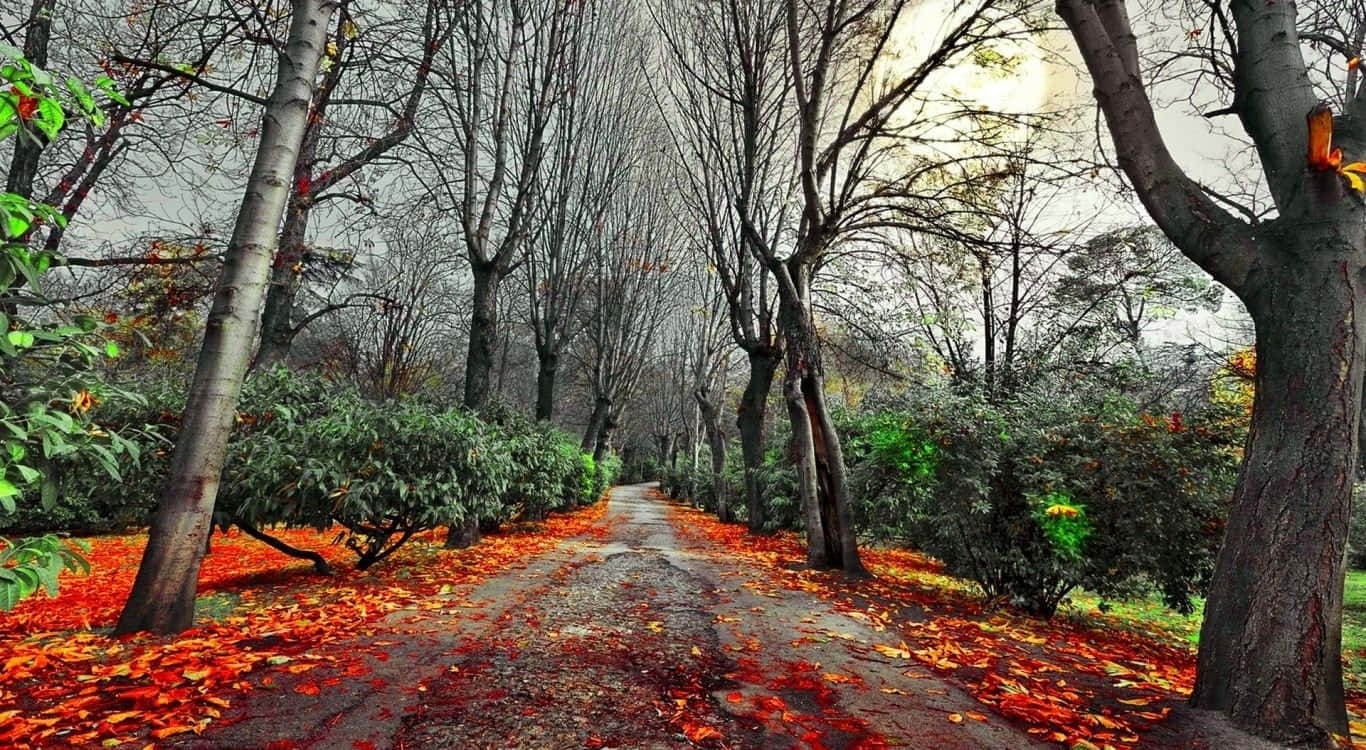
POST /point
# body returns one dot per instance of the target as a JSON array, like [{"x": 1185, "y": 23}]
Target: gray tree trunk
[
  {"x": 1273, "y": 617},
  {"x": 749, "y": 419},
  {"x": 162, "y": 599},
  {"x": 716, "y": 443},
  {"x": 483, "y": 337},
  {"x": 548, "y": 365}
]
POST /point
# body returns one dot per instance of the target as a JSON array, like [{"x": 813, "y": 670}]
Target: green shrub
[{"x": 1048, "y": 493}]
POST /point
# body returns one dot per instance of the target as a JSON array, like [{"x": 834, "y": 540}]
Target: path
[{"x": 626, "y": 638}]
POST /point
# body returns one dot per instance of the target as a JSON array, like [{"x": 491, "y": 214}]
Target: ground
[{"x": 646, "y": 625}]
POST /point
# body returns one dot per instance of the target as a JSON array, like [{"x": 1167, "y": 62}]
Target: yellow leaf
[
  {"x": 892, "y": 651},
  {"x": 956, "y": 718},
  {"x": 1355, "y": 180}
]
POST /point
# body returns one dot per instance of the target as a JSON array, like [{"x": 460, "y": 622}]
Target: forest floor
[{"x": 638, "y": 623}]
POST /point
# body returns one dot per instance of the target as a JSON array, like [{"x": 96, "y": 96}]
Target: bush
[
  {"x": 1046, "y": 494},
  {"x": 316, "y": 454}
]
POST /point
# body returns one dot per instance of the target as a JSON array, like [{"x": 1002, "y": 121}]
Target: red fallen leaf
[
  {"x": 282, "y": 745},
  {"x": 699, "y": 732},
  {"x": 734, "y": 697},
  {"x": 171, "y": 731},
  {"x": 363, "y": 745},
  {"x": 594, "y": 742},
  {"x": 307, "y": 688}
]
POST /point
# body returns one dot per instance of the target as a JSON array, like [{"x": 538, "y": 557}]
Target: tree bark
[
  {"x": 483, "y": 337},
  {"x": 820, "y": 457},
  {"x": 163, "y": 595},
  {"x": 716, "y": 443},
  {"x": 548, "y": 364},
  {"x": 749, "y": 419},
  {"x": 277, "y": 325},
  {"x": 595, "y": 422},
  {"x": 1270, "y": 646}
]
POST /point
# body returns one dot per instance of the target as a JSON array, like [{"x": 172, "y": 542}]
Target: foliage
[
  {"x": 45, "y": 367},
  {"x": 315, "y": 454},
  {"x": 1034, "y": 498},
  {"x": 36, "y": 561}
]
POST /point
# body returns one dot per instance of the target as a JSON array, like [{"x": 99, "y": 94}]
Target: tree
[
  {"x": 505, "y": 68},
  {"x": 348, "y": 148},
  {"x": 734, "y": 134},
  {"x": 1270, "y": 645},
  {"x": 587, "y": 160},
  {"x": 853, "y": 136},
  {"x": 163, "y": 595},
  {"x": 635, "y": 268}
]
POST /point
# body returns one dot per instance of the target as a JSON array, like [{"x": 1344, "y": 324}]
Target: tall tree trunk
[
  {"x": 820, "y": 465},
  {"x": 483, "y": 336},
  {"x": 277, "y": 325},
  {"x": 478, "y": 371},
  {"x": 604, "y": 440},
  {"x": 162, "y": 599},
  {"x": 1273, "y": 617},
  {"x": 749, "y": 418},
  {"x": 595, "y": 422},
  {"x": 548, "y": 365},
  {"x": 716, "y": 443}
]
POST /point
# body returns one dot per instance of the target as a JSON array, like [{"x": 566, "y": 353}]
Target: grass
[{"x": 1149, "y": 616}]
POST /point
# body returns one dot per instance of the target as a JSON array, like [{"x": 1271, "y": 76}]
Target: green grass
[{"x": 1148, "y": 616}]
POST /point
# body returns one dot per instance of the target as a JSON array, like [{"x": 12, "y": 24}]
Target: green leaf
[
  {"x": 50, "y": 118},
  {"x": 27, "y": 473},
  {"x": 20, "y": 339},
  {"x": 111, "y": 348}
]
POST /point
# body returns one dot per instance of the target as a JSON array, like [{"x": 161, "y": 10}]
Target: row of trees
[{"x": 629, "y": 199}]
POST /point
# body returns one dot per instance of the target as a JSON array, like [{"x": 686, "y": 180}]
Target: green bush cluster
[
  {"x": 307, "y": 452},
  {"x": 1039, "y": 496}
]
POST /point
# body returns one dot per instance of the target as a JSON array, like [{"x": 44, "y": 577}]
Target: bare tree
[
  {"x": 733, "y": 143},
  {"x": 588, "y": 158},
  {"x": 1270, "y": 646},
  {"x": 163, "y": 595},
  {"x": 340, "y": 142}
]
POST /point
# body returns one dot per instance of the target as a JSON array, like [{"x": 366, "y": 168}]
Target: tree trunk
[
  {"x": 277, "y": 324},
  {"x": 716, "y": 442},
  {"x": 483, "y": 337},
  {"x": 548, "y": 364},
  {"x": 820, "y": 464},
  {"x": 749, "y": 418},
  {"x": 595, "y": 422},
  {"x": 163, "y": 595},
  {"x": 1270, "y": 646},
  {"x": 604, "y": 441}
]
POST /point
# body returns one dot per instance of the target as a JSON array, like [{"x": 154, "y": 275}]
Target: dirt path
[{"x": 625, "y": 638}]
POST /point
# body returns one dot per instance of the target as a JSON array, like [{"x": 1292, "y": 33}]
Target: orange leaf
[
  {"x": 171, "y": 731},
  {"x": 734, "y": 697},
  {"x": 956, "y": 718},
  {"x": 976, "y": 716},
  {"x": 307, "y": 688},
  {"x": 1322, "y": 155}
]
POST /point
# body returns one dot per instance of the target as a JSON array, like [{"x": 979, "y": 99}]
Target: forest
[{"x": 989, "y": 338}]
